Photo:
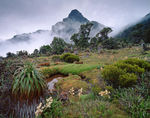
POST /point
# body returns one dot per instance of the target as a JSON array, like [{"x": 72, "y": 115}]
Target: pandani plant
[{"x": 28, "y": 82}]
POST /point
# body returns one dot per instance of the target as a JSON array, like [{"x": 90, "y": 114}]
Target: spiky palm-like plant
[{"x": 28, "y": 82}]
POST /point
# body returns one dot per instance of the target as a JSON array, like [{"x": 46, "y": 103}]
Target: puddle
[{"x": 52, "y": 81}]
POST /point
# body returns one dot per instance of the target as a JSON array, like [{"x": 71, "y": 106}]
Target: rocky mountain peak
[{"x": 77, "y": 16}]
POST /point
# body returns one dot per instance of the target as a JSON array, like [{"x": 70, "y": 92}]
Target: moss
[
  {"x": 93, "y": 76},
  {"x": 74, "y": 81}
]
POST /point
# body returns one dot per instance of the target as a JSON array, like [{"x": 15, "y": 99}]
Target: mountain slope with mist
[
  {"x": 138, "y": 31},
  {"x": 64, "y": 29},
  {"x": 26, "y": 41},
  {"x": 70, "y": 25}
]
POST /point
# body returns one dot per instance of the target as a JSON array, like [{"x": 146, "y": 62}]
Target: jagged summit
[
  {"x": 71, "y": 24},
  {"x": 76, "y": 16}
]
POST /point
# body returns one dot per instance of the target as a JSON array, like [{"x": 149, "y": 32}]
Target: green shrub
[
  {"x": 28, "y": 83},
  {"x": 63, "y": 56},
  {"x": 56, "y": 58},
  {"x": 138, "y": 62},
  {"x": 118, "y": 77},
  {"x": 130, "y": 68},
  {"x": 70, "y": 58},
  {"x": 125, "y": 73},
  {"x": 112, "y": 73},
  {"x": 127, "y": 79}
]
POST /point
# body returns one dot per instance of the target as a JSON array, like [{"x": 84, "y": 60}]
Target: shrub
[
  {"x": 125, "y": 73},
  {"x": 70, "y": 58},
  {"x": 138, "y": 62},
  {"x": 127, "y": 79},
  {"x": 112, "y": 73},
  {"x": 130, "y": 68},
  {"x": 63, "y": 57},
  {"x": 56, "y": 58},
  {"x": 28, "y": 83}
]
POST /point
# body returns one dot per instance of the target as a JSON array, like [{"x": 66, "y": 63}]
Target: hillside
[{"x": 137, "y": 32}]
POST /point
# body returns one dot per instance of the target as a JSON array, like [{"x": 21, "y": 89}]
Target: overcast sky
[{"x": 23, "y": 16}]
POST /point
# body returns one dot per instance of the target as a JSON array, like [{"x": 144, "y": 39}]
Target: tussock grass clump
[{"x": 28, "y": 82}]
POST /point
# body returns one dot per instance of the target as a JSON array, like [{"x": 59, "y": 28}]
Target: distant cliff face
[{"x": 70, "y": 25}]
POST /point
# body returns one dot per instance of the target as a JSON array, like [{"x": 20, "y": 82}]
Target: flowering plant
[
  {"x": 40, "y": 108},
  {"x": 105, "y": 93}
]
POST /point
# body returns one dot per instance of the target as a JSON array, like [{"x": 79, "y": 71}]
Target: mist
[
  {"x": 24, "y": 16},
  {"x": 36, "y": 40}
]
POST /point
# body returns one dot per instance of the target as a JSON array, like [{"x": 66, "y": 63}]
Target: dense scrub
[{"x": 125, "y": 73}]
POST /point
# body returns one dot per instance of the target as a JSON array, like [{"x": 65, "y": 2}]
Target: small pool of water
[{"x": 52, "y": 81}]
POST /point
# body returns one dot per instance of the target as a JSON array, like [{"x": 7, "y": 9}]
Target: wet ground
[{"x": 52, "y": 81}]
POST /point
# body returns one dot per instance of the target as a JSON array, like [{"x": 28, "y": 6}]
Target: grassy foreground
[{"x": 82, "y": 94}]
